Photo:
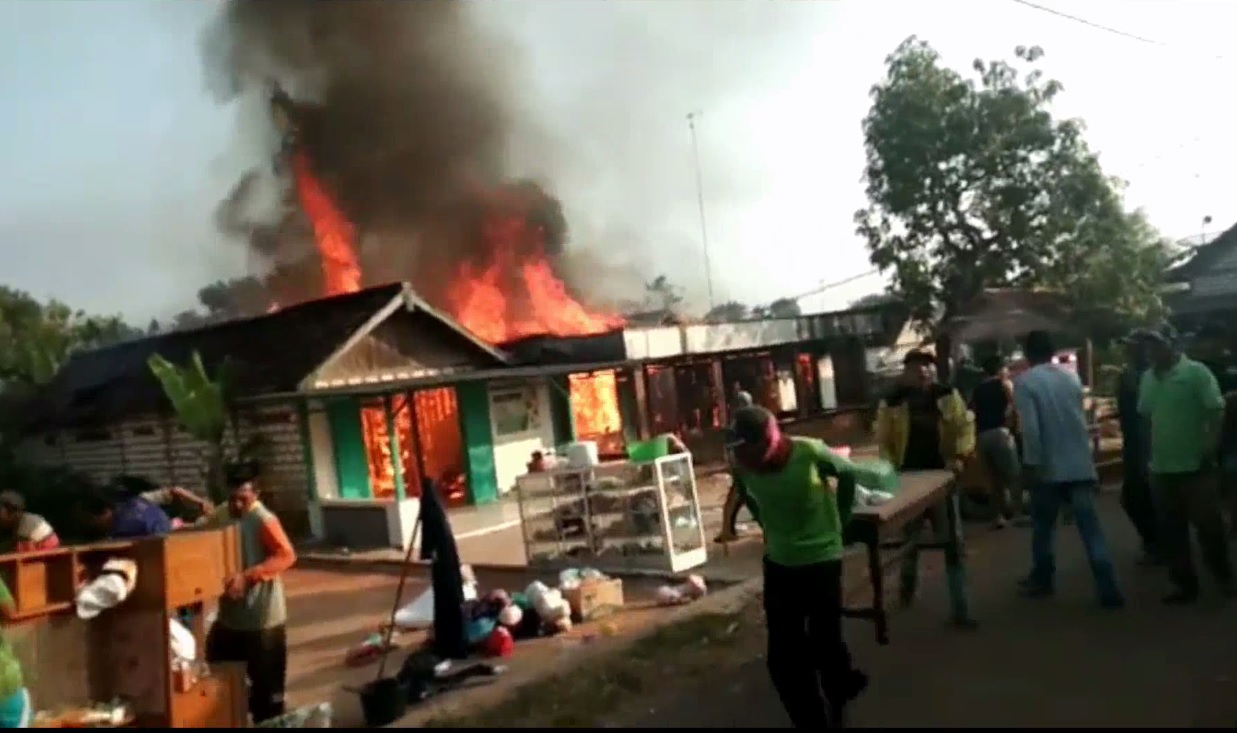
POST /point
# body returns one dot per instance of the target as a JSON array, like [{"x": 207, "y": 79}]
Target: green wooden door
[
  {"x": 351, "y": 464},
  {"x": 473, "y": 399}
]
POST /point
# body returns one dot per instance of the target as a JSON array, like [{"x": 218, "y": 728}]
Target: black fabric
[
  {"x": 265, "y": 656},
  {"x": 439, "y": 549},
  {"x": 809, "y": 662},
  {"x": 990, "y": 402},
  {"x": 1139, "y": 505},
  {"x": 923, "y": 440}
]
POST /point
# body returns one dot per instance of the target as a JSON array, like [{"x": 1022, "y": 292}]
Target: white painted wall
[
  {"x": 653, "y": 343},
  {"x": 512, "y": 450},
  {"x": 713, "y": 337},
  {"x": 326, "y": 478}
]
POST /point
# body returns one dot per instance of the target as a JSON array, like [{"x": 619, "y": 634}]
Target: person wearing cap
[
  {"x": 251, "y": 626},
  {"x": 787, "y": 482},
  {"x": 922, "y": 425},
  {"x": 24, "y": 531},
  {"x": 734, "y": 500},
  {"x": 1059, "y": 467},
  {"x": 1181, "y": 399},
  {"x": 1136, "y": 497}
]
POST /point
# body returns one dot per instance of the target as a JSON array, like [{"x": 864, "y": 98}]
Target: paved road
[{"x": 1052, "y": 663}]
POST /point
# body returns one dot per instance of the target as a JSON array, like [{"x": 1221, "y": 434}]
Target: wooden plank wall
[{"x": 160, "y": 450}]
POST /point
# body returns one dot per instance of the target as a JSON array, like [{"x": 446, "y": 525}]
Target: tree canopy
[
  {"x": 36, "y": 337},
  {"x": 973, "y": 183}
]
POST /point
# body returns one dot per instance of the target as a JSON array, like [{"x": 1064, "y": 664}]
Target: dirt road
[{"x": 1054, "y": 663}]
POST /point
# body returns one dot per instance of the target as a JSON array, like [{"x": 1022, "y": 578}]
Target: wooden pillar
[
  {"x": 720, "y": 398},
  {"x": 640, "y": 381},
  {"x": 397, "y": 465},
  {"x": 418, "y": 454}
]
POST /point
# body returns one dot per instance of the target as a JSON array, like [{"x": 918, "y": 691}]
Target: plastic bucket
[
  {"x": 647, "y": 451},
  {"x": 383, "y": 702}
]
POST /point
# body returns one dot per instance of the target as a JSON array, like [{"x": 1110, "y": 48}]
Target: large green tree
[
  {"x": 37, "y": 337},
  {"x": 973, "y": 183}
]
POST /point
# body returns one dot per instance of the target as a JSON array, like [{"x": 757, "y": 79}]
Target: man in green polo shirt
[{"x": 1182, "y": 401}]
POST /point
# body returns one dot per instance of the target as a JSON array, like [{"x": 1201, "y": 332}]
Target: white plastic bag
[
  {"x": 420, "y": 613},
  {"x": 183, "y": 645}
]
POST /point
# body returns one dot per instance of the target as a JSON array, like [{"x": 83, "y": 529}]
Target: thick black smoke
[{"x": 405, "y": 109}]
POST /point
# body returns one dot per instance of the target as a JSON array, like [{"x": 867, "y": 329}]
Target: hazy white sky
[{"x": 115, "y": 156}]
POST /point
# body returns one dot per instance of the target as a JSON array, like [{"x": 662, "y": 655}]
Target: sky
[{"x": 115, "y": 155}]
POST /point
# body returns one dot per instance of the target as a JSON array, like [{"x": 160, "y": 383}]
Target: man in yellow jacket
[{"x": 922, "y": 425}]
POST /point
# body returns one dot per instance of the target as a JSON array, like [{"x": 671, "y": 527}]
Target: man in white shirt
[{"x": 1058, "y": 467}]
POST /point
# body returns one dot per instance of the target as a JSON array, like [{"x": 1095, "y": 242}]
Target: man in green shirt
[
  {"x": 786, "y": 483},
  {"x": 1181, "y": 400}
]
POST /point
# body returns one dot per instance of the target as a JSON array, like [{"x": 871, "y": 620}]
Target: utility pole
[{"x": 704, "y": 228}]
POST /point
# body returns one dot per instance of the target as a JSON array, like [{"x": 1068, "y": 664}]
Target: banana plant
[{"x": 201, "y": 405}]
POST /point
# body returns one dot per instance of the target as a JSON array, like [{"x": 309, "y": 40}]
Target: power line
[
  {"x": 836, "y": 283},
  {"x": 1091, "y": 23}
]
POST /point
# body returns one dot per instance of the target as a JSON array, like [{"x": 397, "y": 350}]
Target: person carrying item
[
  {"x": 131, "y": 517},
  {"x": 1182, "y": 401},
  {"x": 251, "y": 626},
  {"x": 992, "y": 402},
  {"x": 734, "y": 501},
  {"x": 24, "y": 531},
  {"x": 922, "y": 425},
  {"x": 1136, "y": 498},
  {"x": 1059, "y": 467},
  {"x": 786, "y": 483}
]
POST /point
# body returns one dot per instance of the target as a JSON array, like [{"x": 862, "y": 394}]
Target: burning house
[
  {"x": 417, "y": 330},
  {"x": 366, "y": 398}
]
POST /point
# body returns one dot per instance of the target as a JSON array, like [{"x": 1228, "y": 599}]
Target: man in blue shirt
[
  {"x": 1058, "y": 467},
  {"x": 128, "y": 518}
]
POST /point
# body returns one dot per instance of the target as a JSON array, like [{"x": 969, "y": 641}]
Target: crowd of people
[
  {"x": 1033, "y": 436},
  {"x": 252, "y": 611}
]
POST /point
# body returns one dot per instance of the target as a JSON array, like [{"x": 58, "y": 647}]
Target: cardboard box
[{"x": 594, "y": 598}]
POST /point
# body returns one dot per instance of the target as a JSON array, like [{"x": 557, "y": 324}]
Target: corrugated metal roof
[{"x": 271, "y": 353}]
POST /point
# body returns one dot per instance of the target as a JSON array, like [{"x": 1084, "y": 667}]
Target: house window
[{"x": 515, "y": 411}]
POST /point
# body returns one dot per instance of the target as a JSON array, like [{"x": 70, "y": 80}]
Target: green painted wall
[
  {"x": 474, "y": 404},
  {"x": 562, "y": 421},
  {"x": 344, "y": 416}
]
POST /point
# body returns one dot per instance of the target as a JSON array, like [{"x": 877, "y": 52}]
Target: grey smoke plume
[
  {"x": 420, "y": 102},
  {"x": 404, "y": 109}
]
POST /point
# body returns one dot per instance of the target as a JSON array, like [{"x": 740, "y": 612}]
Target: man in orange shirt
[{"x": 253, "y": 613}]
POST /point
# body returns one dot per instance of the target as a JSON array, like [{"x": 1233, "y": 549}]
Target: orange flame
[
  {"x": 332, "y": 231},
  {"x": 511, "y": 295}
]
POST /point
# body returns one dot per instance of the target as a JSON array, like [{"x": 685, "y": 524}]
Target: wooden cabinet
[
  {"x": 129, "y": 650},
  {"x": 217, "y": 701}
]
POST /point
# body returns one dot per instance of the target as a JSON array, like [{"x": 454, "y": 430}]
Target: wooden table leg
[
  {"x": 877, "y": 574},
  {"x": 955, "y": 569}
]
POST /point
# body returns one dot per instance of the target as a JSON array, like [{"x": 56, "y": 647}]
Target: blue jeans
[{"x": 1046, "y": 502}]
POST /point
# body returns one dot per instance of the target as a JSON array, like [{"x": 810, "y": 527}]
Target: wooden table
[{"x": 920, "y": 492}]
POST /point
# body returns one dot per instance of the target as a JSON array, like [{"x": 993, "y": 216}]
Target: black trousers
[
  {"x": 1139, "y": 505},
  {"x": 265, "y": 655},
  {"x": 808, "y": 660}
]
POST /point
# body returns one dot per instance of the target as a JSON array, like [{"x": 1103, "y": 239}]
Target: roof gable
[{"x": 271, "y": 353}]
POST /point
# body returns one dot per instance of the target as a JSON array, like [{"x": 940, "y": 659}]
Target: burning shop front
[{"x": 339, "y": 458}]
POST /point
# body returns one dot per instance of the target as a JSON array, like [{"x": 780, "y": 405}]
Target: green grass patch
[{"x": 589, "y": 694}]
